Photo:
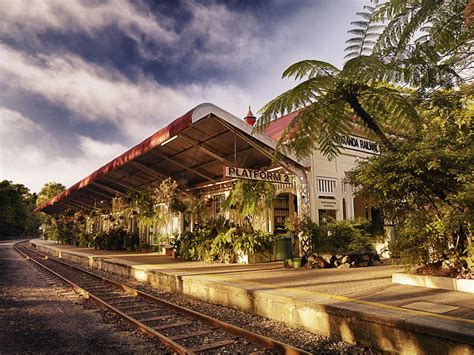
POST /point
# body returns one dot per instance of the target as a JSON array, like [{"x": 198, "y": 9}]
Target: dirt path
[{"x": 39, "y": 315}]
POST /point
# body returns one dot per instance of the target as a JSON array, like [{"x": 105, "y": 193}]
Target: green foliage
[
  {"x": 426, "y": 41},
  {"x": 222, "y": 247},
  {"x": 426, "y": 185},
  {"x": 114, "y": 239},
  {"x": 468, "y": 257},
  {"x": 132, "y": 241},
  {"x": 197, "y": 245},
  {"x": 339, "y": 237},
  {"x": 255, "y": 242},
  {"x": 250, "y": 199},
  {"x": 99, "y": 240},
  {"x": 213, "y": 240},
  {"x": 48, "y": 191},
  {"x": 85, "y": 239},
  {"x": 385, "y": 50},
  {"x": 331, "y": 101},
  {"x": 16, "y": 212},
  {"x": 68, "y": 229},
  {"x": 49, "y": 223}
]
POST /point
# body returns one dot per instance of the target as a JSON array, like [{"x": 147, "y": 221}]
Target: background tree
[
  {"x": 48, "y": 191},
  {"x": 439, "y": 156},
  {"x": 16, "y": 212},
  {"x": 49, "y": 223}
]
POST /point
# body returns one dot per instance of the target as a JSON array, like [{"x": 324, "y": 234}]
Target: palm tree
[{"x": 332, "y": 100}]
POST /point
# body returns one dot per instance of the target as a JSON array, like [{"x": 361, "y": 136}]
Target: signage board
[
  {"x": 360, "y": 144},
  {"x": 327, "y": 204},
  {"x": 259, "y": 175}
]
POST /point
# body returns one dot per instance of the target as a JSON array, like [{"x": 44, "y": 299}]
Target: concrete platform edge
[
  {"x": 355, "y": 323},
  {"x": 445, "y": 283}
]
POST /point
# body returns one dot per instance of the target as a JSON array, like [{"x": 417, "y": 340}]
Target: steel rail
[
  {"x": 143, "y": 327},
  {"x": 250, "y": 336}
]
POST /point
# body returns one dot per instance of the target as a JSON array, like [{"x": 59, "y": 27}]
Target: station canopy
[{"x": 193, "y": 150}]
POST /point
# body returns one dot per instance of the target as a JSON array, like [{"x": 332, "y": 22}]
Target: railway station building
[{"x": 205, "y": 151}]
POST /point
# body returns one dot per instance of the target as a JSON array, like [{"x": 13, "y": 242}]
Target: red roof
[
  {"x": 276, "y": 127},
  {"x": 153, "y": 141}
]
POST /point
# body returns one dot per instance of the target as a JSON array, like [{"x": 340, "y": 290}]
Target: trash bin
[{"x": 283, "y": 248}]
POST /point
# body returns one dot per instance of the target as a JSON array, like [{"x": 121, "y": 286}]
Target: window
[
  {"x": 326, "y": 187},
  {"x": 218, "y": 202},
  {"x": 344, "y": 209}
]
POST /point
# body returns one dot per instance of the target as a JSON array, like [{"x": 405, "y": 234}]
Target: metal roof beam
[
  {"x": 90, "y": 189},
  {"x": 119, "y": 183},
  {"x": 204, "y": 149},
  {"x": 157, "y": 175},
  {"x": 67, "y": 205},
  {"x": 108, "y": 189},
  {"x": 181, "y": 165},
  {"x": 266, "y": 151}
]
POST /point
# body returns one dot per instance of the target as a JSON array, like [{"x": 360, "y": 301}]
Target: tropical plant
[
  {"x": 222, "y": 248},
  {"x": 99, "y": 240},
  {"x": 332, "y": 100},
  {"x": 132, "y": 241},
  {"x": 253, "y": 243},
  {"x": 339, "y": 237},
  {"x": 249, "y": 200},
  {"x": 48, "y": 191}
]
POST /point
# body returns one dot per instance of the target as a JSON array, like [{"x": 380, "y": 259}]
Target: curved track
[{"x": 183, "y": 330}]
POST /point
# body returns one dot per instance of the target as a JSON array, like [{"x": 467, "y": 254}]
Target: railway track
[{"x": 183, "y": 330}]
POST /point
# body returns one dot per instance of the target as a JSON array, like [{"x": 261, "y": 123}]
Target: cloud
[
  {"x": 13, "y": 122},
  {"x": 234, "y": 58},
  {"x": 102, "y": 94},
  {"x": 22, "y": 18},
  {"x": 226, "y": 37},
  {"x": 93, "y": 148},
  {"x": 26, "y": 157}
]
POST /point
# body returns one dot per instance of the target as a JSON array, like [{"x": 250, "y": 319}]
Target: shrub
[
  {"x": 115, "y": 239},
  {"x": 252, "y": 243},
  {"x": 132, "y": 241},
  {"x": 99, "y": 240},
  {"x": 222, "y": 248},
  {"x": 196, "y": 245},
  {"x": 339, "y": 237},
  {"x": 85, "y": 239}
]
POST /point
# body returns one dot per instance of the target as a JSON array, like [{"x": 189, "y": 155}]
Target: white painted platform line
[{"x": 430, "y": 307}]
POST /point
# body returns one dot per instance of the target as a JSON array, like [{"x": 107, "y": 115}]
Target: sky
[{"x": 83, "y": 81}]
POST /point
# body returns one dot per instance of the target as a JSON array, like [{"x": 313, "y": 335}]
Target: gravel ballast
[{"x": 39, "y": 314}]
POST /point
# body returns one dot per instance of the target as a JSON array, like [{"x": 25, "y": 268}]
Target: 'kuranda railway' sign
[
  {"x": 360, "y": 144},
  {"x": 253, "y": 174}
]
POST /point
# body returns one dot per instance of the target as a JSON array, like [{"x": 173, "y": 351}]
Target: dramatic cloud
[
  {"x": 97, "y": 93},
  {"x": 23, "y": 17},
  {"x": 19, "y": 162}
]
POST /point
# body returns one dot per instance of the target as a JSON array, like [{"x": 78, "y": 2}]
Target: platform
[{"x": 358, "y": 305}]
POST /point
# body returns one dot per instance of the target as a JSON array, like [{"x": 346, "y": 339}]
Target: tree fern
[
  {"x": 365, "y": 32},
  {"x": 420, "y": 43}
]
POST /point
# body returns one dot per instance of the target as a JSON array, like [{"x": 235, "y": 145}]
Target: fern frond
[
  {"x": 364, "y": 69},
  {"x": 318, "y": 126},
  {"x": 294, "y": 99},
  {"x": 310, "y": 69},
  {"x": 364, "y": 30}
]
